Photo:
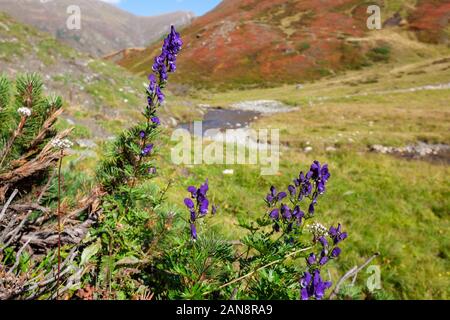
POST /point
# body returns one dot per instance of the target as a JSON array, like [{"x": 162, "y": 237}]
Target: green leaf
[{"x": 89, "y": 252}]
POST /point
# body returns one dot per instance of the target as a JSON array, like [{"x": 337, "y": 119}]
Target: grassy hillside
[
  {"x": 101, "y": 98},
  {"x": 264, "y": 43}
]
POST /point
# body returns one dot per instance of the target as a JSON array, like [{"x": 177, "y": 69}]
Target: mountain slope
[
  {"x": 104, "y": 27},
  {"x": 100, "y": 97},
  {"x": 267, "y": 42}
]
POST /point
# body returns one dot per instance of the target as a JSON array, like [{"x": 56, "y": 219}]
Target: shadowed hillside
[{"x": 104, "y": 27}]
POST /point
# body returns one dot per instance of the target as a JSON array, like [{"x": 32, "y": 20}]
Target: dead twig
[
  {"x": 2, "y": 214},
  {"x": 352, "y": 272},
  {"x": 19, "y": 253}
]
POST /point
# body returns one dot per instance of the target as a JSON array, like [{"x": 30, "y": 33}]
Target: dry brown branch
[
  {"x": 43, "y": 132},
  {"x": 2, "y": 214},
  {"x": 352, "y": 272}
]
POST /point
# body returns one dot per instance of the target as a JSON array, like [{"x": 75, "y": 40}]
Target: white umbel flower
[
  {"x": 61, "y": 144},
  {"x": 317, "y": 229},
  {"x": 24, "y": 112}
]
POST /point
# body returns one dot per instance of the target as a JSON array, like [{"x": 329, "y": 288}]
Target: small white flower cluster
[
  {"x": 24, "y": 112},
  {"x": 317, "y": 229},
  {"x": 61, "y": 144}
]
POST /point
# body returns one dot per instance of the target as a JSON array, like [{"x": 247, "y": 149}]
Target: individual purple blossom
[
  {"x": 335, "y": 252},
  {"x": 142, "y": 134},
  {"x": 273, "y": 196},
  {"x": 311, "y": 259},
  {"x": 292, "y": 190},
  {"x": 193, "y": 231},
  {"x": 281, "y": 195},
  {"x": 152, "y": 170},
  {"x": 336, "y": 234},
  {"x": 192, "y": 190},
  {"x": 204, "y": 204},
  {"x": 286, "y": 212},
  {"x": 298, "y": 214},
  {"x": 156, "y": 120},
  {"x": 159, "y": 94},
  {"x": 189, "y": 203},
  {"x": 323, "y": 241},
  {"x": 323, "y": 257},
  {"x": 275, "y": 214},
  {"x": 147, "y": 149}
]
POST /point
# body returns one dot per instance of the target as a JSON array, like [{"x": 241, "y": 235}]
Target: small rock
[
  {"x": 228, "y": 171},
  {"x": 308, "y": 149},
  {"x": 86, "y": 143}
]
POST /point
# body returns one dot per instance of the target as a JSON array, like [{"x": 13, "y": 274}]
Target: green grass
[{"x": 390, "y": 205}]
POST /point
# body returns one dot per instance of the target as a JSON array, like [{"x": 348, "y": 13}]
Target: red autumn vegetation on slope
[{"x": 268, "y": 42}]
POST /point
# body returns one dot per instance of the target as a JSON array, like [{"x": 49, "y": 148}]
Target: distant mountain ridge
[{"x": 105, "y": 28}]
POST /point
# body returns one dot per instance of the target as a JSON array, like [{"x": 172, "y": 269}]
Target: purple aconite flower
[
  {"x": 156, "y": 120},
  {"x": 336, "y": 234},
  {"x": 311, "y": 259},
  {"x": 335, "y": 252},
  {"x": 163, "y": 64},
  {"x": 166, "y": 61},
  {"x": 286, "y": 212},
  {"x": 204, "y": 204},
  {"x": 323, "y": 258},
  {"x": 147, "y": 150},
  {"x": 192, "y": 190},
  {"x": 193, "y": 231},
  {"x": 312, "y": 286},
  {"x": 189, "y": 203},
  {"x": 198, "y": 203},
  {"x": 323, "y": 241},
  {"x": 272, "y": 197},
  {"x": 275, "y": 214},
  {"x": 142, "y": 134},
  {"x": 292, "y": 190},
  {"x": 298, "y": 214}
]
